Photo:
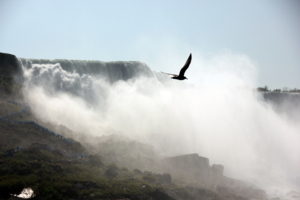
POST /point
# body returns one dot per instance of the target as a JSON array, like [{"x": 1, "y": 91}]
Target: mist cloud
[{"x": 217, "y": 114}]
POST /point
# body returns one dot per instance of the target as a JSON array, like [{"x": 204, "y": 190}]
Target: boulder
[
  {"x": 217, "y": 170},
  {"x": 191, "y": 166},
  {"x": 216, "y": 175},
  {"x": 166, "y": 178},
  {"x": 111, "y": 172}
]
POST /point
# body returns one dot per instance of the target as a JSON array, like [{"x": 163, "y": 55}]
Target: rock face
[
  {"x": 195, "y": 168},
  {"x": 284, "y": 103},
  {"x": 216, "y": 175},
  {"x": 8, "y": 63},
  {"x": 228, "y": 186},
  {"x": 189, "y": 166},
  {"x": 111, "y": 172},
  {"x": 9, "y": 66},
  {"x": 161, "y": 195}
]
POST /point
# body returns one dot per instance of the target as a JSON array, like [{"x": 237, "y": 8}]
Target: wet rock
[
  {"x": 201, "y": 193},
  {"x": 166, "y": 178},
  {"x": 36, "y": 147},
  {"x": 149, "y": 178},
  {"x": 111, "y": 172},
  {"x": 216, "y": 175},
  {"x": 148, "y": 173},
  {"x": 190, "y": 166},
  {"x": 185, "y": 195},
  {"x": 9, "y": 66},
  {"x": 120, "y": 186},
  {"x": 137, "y": 171},
  {"x": 223, "y": 190},
  {"x": 161, "y": 195},
  {"x": 239, "y": 190},
  {"x": 9, "y": 62},
  {"x": 217, "y": 170},
  {"x": 85, "y": 185},
  {"x": 57, "y": 152},
  {"x": 95, "y": 160}
]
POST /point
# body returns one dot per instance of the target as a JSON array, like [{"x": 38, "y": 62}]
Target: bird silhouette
[{"x": 182, "y": 71}]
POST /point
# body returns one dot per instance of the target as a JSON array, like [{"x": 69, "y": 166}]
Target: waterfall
[{"x": 221, "y": 117}]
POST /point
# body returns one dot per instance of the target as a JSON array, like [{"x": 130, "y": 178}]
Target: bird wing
[
  {"x": 185, "y": 66},
  {"x": 170, "y": 74}
]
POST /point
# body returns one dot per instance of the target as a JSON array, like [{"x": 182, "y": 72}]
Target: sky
[{"x": 266, "y": 31}]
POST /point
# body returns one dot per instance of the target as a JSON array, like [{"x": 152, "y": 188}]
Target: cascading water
[{"x": 220, "y": 117}]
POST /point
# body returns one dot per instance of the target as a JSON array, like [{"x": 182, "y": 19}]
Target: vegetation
[
  {"x": 51, "y": 177},
  {"x": 285, "y": 89},
  {"x": 54, "y": 169},
  {"x": 54, "y": 176}
]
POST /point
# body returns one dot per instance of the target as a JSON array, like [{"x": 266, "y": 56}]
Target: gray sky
[{"x": 267, "y": 31}]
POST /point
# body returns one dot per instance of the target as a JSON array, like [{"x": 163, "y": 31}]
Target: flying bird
[{"x": 182, "y": 71}]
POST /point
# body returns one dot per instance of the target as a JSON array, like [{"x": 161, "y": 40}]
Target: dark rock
[
  {"x": 231, "y": 187},
  {"x": 190, "y": 166},
  {"x": 137, "y": 171},
  {"x": 148, "y": 173},
  {"x": 217, "y": 170},
  {"x": 216, "y": 175},
  {"x": 166, "y": 178},
  {"x": 95, "y": 160},
  {"x": 111, "y": 172},
  {"x": 201, "y": 193},
  {"x": 9, "y": 63},
  {"x": 223, "y": 190},
  {"x": 9, "y": 66},
  {"x": 161, "y": 195},
  {"x": 38, "y": 146},
  {"x": 85, "y": 185},
  {"x": 57, "y": 152},
  {"x": 149, "y": 178},
  {"x": 196, "y": 168},
  {"x": 184, "y": 194},
  {"x": 120, "y": 186}
]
